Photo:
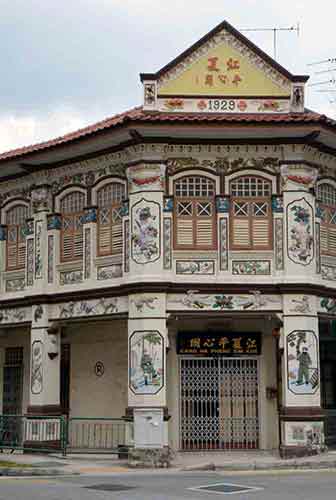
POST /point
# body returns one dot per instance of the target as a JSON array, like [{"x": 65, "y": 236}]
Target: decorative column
[
  {"x": 147, "y": 332},
  {"x": 147, "y": 343},
  {"x": 301, "y": 415},
  {"x": 54, "y": 224},
  {"x": 146, "y": 183}
]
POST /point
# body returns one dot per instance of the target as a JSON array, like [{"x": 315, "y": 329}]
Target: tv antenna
[
  {"x": 275, "y": 34},
  {"x": 327, "y": 86}
]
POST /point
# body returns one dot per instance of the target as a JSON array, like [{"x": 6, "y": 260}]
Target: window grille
[
  {"x": 109, "y": 234},
  {"x": 195, "y": 226},
  {"x": 251, "y": 218},
  {"x": 326, "y": 194},
  {"x": 14, "y": 356},
  {"x": 72, "y": 209},
  {"x": 16, "y": 238}
]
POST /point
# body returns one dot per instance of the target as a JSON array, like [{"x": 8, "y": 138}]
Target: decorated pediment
[{"x": 224, "y": 72}]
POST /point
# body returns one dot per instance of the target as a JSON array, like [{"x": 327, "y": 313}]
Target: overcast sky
[{"x": 69, "y": 63}]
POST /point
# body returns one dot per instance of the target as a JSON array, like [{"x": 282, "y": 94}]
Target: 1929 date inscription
[{"x": 221, "y": 104}]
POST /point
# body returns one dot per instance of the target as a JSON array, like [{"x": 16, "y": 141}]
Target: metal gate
[{"x": 219, "y": 403}]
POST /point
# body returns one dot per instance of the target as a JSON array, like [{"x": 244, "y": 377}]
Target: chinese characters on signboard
[
  {"x": 225, "y": 71},
  {"x": 219, "y": 344}
]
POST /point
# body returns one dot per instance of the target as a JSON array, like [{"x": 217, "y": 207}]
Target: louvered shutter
[
  {"x": 332, "y": 232},
  {"x": 116, "y": 230},
  {"x": 184, "y": 224},
  {"x": 240, "y": 225},
  {"x": 104, "y": 232},
  {"x": 72, "y": 237},
  {"x": 260, "y": 225},
  {"x": 204, "y": 230}
]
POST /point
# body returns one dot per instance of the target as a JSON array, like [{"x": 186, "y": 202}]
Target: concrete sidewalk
[{"x": 101, "y": 464}]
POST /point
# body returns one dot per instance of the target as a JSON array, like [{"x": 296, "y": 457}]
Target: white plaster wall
[
  {"x": 93, "y": 396},
  {"x": 268, "y": 417}
]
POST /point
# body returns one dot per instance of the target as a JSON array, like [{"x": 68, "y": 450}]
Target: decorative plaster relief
[
  {"x": 146, "y": 229},
  {"x": 30, "y": 262},
  {"x": 308, "y": 434},
  {"x": 225, "y": 164},
  {"x": 50, "y": 258},
  {"x": 15, "y": 285},
  {"x": 302, "y": 362},
  {"x": 100, "y": 307},
  {"x": 318, "y": 247},
  {"x": 223, "y": 244},
  {"x": 328, "y": 272},
  {"x": 126, "y": 246},
  {"x": 71, "y": 277},
  {"x": 144, "y": 177},
  {"x": 149, "y": 94},
  {"x": 194, "y": 300},
  {"x": 195, "y": 267},
  {"x": 144, "y": 304},
  {"x": 300, "y": 232},
  {"x": 300, "y": 305},
  {"x": 87, "y": 253},
  {"x": 37, "y": 367},
  {"x": 167, "y": 243},
  {"x": 277, "y": 204},
  {"x": 146, "y": 362},
  {"x": 40, "y": 198},
  {"x": 38, "y": 249},
  {"x": 109, "y": 272},
  {"x": 15, "y": 315},
  {"x": 252, "y": 267},
  {"x": 298, "y": 176},
  {"x": 278, "y": 244},
  {"x": 29, "y": 228}
]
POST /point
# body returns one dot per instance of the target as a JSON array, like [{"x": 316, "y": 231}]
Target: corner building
[{"x": 176, "y": 264}]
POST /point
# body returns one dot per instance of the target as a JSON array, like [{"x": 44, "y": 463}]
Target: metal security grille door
[{"x": 219, "y": 403}]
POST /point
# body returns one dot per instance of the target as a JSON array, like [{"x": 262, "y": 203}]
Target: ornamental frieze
[{"x": 224, "y": 165}]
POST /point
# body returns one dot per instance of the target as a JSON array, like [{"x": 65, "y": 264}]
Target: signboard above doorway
[{"x": 225, "y": 344}]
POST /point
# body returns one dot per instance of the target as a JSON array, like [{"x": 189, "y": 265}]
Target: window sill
[{"x": 70, "y": 266}]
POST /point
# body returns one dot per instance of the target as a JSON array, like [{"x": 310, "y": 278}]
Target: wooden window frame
[
  {"x": 117, "y": 206},
  {"x": 250, "y": 200},
  {"x": 73, "y": 217},
  {"x": 329, "y": 210},
  {"x": 18, "y": 246},
  {"x": 194, "y": 217}
]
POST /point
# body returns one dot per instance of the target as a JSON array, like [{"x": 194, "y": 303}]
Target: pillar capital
[
  {"x": 298, "y": 176},
  {"x": 146, "y": 177}
]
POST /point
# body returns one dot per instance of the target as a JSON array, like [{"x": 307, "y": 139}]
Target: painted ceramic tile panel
[
  {"x": 146, "y": 362},
  {"x": 300, "y": 237},
  {"x": 195, "y": 267},
  {"x": 302, "y": 362},
  {"x": 304, "y": 434},
  {"x": 145, "y": 232}
]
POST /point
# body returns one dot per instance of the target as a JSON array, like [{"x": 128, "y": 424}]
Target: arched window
[
  {"x": 195, "y": 226},
  {"x": 326, "y": 194},
  {"x": 72, "y": 210},
  {"x": 15, "y": 218},
  {"x": 250, "y": 217},
  {"x": 109, "y": 230}
]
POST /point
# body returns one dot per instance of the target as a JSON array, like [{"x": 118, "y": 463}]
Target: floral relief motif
[
  {"x": 40, "y": 198},
  {"x": 146, "y": 372},
  {"x": 253, "y": 267},
  {"x": 328, "y": 305},
  {"x": 37, "y": 367},
  {"x": 300, "y": 232},
  {"x": 145, "y": 231},
  {"x": 302, "y": 361},
  {"x": 253, "y": 301},
  {"x": 38, "y": 249},
  {"x": 301, "y": 305},
  {"x": 15, "y": 285},
  {"x": 109, "y": 272},
  {"x": 71, "y": 277},
  {"x": 328, "y": 272},
  {"x": 50, "y": 258},
  {"x": 146, "y": 177},
  {"x": 223, "y": 242},
  {"x": 167, "y": 243},
  {"x": 195, "y": 267},
  {"x": 223, "y": 164},
  {"x": 318, "y": 247},
  {"x": 144, "y": 303},
  {"x": 87, "y": 255},
  {"x": 126, "y": 246},
  {"x": 30, "y": 261},
  {"x": 278, "y": 243}
]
